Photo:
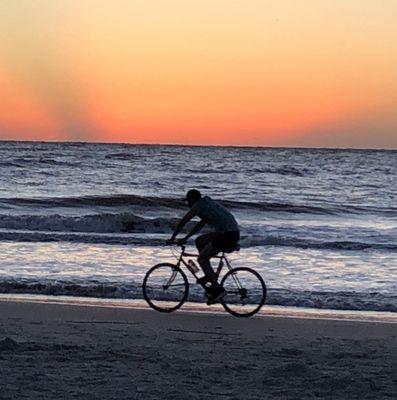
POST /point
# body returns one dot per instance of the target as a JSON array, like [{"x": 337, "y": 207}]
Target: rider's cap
[{"x": 193, "y": 194}]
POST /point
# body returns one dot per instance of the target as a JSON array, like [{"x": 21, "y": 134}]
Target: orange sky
[{"x": 258, "y": 72}]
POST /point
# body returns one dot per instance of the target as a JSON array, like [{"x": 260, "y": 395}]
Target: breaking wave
[
  {"x": 99, "y": 223},
  {"x": 154, "y": 203},
  {"x": 147, "y": 233}
]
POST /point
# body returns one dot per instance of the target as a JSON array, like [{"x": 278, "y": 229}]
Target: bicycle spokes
[
  {"x": 165, "y": 287},
  {"x": 245, "y": 291}
]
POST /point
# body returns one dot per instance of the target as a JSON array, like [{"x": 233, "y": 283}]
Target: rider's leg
[
  {"x": 203, "y": 240},
  {"x": 206, "y": 251},
  {"x": 204, "y": 260},
  {"x": 215, "y": 292},
  {"x": 204, "y": 257}
]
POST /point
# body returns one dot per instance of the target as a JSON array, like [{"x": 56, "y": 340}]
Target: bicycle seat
[{"x": 231, "y": 248}]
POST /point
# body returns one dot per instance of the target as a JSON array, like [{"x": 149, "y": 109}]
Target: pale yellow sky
[{"x": 308, "y": 72}]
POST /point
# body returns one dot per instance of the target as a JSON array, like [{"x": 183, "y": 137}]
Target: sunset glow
[{"x": 262, "y": 72}]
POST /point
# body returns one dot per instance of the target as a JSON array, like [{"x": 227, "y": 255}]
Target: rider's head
[{"x": 192, "y": 196}]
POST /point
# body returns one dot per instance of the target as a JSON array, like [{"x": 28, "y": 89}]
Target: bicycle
[{"x": 166, "y": 286}]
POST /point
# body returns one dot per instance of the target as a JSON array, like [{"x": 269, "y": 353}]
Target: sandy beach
[{"x": 54, "y": 351}]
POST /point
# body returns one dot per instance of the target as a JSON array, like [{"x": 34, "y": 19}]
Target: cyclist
[{"x": 224, "y": 237}]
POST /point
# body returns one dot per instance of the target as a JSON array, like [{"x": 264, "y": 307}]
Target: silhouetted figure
[{"x": 224, "y": 237}]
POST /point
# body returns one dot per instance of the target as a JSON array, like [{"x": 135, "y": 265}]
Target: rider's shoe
[{"x": 216, "y": 295}]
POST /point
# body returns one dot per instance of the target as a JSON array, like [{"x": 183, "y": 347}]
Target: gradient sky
[{"x": 258, "y": 72}]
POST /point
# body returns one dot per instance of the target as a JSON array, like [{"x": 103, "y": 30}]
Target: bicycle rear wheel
[
  {"x": 165, "y": 287},
  {"x": 245, "y": 292}
]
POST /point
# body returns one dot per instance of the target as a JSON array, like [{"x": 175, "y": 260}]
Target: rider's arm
[
  {"x": 189, "y": 215},
  {"x": 200, "y": 225}
]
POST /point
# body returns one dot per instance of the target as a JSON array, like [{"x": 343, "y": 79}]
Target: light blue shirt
[{"x": 214, "y": 214}]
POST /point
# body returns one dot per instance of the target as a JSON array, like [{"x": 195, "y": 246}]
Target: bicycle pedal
[{"x": 216, "y": 298}]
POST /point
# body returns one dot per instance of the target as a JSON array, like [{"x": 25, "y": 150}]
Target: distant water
[{"x": 320, "y": 225}]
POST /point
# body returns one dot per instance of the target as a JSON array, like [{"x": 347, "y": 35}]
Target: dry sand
[{"x": 50, "y": 351}]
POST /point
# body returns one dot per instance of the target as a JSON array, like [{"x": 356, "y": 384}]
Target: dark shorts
[{"x": 225, "y": 241}]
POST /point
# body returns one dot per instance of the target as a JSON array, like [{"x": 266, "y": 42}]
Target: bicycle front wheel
[
  {"x": 245, "y": 292},
  {"x": 165, "y": 287}
]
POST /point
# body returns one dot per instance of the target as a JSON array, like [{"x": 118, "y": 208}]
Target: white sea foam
[{"x": 372, "y": 301}]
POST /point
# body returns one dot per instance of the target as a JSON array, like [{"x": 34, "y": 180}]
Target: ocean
[{"x": 85, "y": 219}]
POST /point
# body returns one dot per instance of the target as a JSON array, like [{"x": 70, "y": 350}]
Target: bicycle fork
[
  {"x": 169, "y": 283},
  {"x": 241, "y": 291}
]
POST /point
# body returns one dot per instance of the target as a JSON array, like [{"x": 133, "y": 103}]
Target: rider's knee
[{"x": 199, "y": 242}]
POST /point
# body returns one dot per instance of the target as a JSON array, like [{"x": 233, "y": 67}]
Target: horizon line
[{"x": 201, "y": 145}]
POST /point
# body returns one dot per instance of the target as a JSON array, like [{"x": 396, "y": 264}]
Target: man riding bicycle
[{"x": 224, "y": 237}]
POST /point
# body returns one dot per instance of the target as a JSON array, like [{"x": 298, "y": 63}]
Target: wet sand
[{"x": 54, "y": 351}]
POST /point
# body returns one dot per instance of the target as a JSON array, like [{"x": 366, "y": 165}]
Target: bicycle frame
[{"x": 222, "y": 260}]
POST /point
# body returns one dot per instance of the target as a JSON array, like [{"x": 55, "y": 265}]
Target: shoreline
[
  {"x": 68, "y": 351},
  {"x": 201, "y": 308}
]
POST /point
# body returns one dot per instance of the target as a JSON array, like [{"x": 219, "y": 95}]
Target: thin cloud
[{"x": 35, "y": 55}]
